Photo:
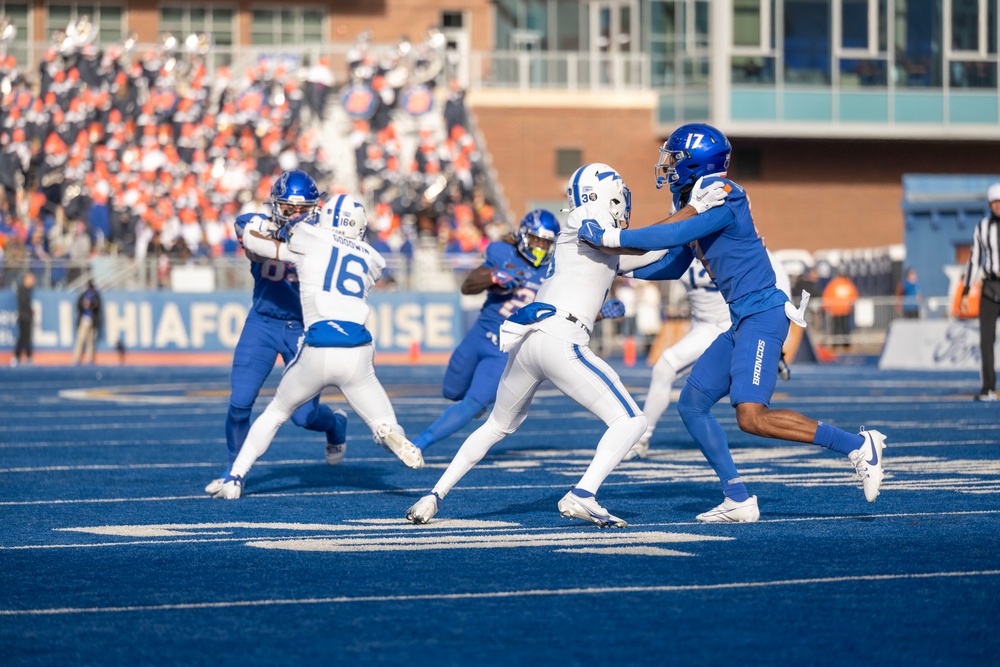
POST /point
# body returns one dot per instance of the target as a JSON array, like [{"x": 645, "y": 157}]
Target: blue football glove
[
  {"x": 612, "y": 309},
  {"x": 504, "y": 279},
  {"x": 286, "y": 230},
  {"x": 591, "y": 232}
]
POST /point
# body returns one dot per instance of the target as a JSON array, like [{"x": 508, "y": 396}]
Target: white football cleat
[
  {"x": 232, "y": 488},
  {"x": 587, "y": 509},
  {"x": 731, "y": 511},
  {"x": 639, "y": 449},
  {"x": 868, "y": 461},
  {"x": 394, "y": 442},
  {"x": 423, "y": 510}
]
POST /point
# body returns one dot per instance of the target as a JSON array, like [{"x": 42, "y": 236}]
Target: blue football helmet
[
  {"x": 536, "y": 236},
  {"x": 692, "y": 151},
  {"x": 294, "y": 194},
  {"x": 598, "y": 183}
]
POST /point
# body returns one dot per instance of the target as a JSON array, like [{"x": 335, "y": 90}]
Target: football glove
[
  {"x": 504, "y": 279},
  {"x": 591, "y": 232},
  {"x": 704, "y": 198},
  {"x": 613, "y": 309}
]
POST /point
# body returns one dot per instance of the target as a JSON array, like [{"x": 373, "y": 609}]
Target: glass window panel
[
  {"x": 854, "y": 24},
  {"x": 171, "y": 14},
  {"x": 918, "y": 43},
  {"x": 262, "y": 38},
  {"x": 807, "y": 42},
  {"x": 222, "y": 16},
  {"x": 746, "y": 22},
  {"x": 976, "y": 74},
  {"x": 752, "y": 70},
  {"x": 863, "y": 72},
  {"x": 59, "y": 16},
  {"x": 198, "y": 17},
  {"x": 263, "y": 17},
  {"x": 567, "y": 26},
  {"x": 312, "y": 17},
  {"x": 965, "y": 25},
  {"x": 86, "y": 10},
  {"x": 110, "y": 24},
  {"x": 287, "y": 16},
  {"x": 991, "y": 27}
]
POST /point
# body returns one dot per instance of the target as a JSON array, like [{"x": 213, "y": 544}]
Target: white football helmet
[
  {"x": 598, "y": 183},
  {"x": 345, "y": 215}
]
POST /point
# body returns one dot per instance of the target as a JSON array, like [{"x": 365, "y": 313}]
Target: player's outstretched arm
[
  {"x": 671, "y": 266},
  {"x": 483, "y": 277},
  {"x": 265, "y": 246}
]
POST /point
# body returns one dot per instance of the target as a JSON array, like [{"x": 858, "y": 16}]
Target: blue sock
[
  {"x": 734, "y": 489},
  {"x": 695, "y": 409},
  {"x": 583, "y": 493},
  {"x": 452, "y": 419},
  {"x": 237, "y": 427},
  {"x": 836, "y": 439}
]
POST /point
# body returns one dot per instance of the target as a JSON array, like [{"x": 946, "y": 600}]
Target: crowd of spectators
[
  {"x": 150, "y": 155},
  {"x": 436, "y": 188},
  {"x": 102, "y": 151}
]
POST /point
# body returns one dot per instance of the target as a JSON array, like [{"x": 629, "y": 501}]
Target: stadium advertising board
[{"x": 166, "y": 322}]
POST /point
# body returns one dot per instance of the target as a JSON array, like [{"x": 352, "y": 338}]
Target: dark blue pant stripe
[{"x": 607, "y": 381}]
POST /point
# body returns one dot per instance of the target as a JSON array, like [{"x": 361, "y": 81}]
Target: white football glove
[
  {"x": 704, "y": 198},
  {"x": 260, "y": 225}
]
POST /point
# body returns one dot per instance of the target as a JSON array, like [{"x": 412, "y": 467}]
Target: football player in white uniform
[
  {"x": 709, "y": 318},
  {"x": 548, "y": 340},
  {"x": 336, "y": 270}
]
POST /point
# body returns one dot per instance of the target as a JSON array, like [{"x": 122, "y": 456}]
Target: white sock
[
  {"x": 469, "y": 454},
  {"x": 612, "y": 448},
  {"x": 258, "y": 440}
]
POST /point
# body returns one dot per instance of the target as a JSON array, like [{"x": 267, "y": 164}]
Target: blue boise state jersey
[
  {"x": 499, "y": 305},
  {"x": 732, "y": 251},
  {"x": 275, "y": 283}
]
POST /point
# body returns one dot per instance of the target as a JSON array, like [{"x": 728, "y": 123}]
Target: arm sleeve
[
  {"x": 268, "y": 248},
  {"x": 671, "y": 267},
  {"x": 629, "y": 263},
  {"x": 674, "y": 234}
]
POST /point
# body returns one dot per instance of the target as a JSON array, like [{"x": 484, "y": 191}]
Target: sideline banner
[
  {"x": 167, "y": 322},
  {"x": 946, "y": 345}
]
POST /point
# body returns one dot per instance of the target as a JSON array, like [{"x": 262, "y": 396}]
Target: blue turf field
[{"x": 111, "y": 553}]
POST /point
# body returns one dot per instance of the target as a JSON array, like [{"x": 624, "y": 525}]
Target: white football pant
[
  {"x": 578, "y": 373},
  {"x": 313, "y": 369}
]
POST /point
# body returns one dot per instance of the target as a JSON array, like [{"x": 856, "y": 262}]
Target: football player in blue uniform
[
  {"x": 273, "y": 327},
  {"x": 714, "y": 224},
  {"x": 512, "y": 271}
]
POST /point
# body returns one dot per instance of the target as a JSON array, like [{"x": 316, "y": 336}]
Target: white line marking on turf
[{"x": 606, "y": 590}]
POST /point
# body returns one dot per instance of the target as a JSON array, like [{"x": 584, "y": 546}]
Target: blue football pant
[
  {"x": 741, "y": 362},
  {"x": 472, "y": 378}
]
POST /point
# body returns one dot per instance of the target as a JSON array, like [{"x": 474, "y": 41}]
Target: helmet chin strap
[{"x": 685, "y": 193}]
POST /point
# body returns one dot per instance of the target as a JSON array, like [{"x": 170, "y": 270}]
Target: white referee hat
[{"x": 993, "y": 193}]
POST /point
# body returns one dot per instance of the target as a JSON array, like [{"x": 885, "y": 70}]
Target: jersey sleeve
[{"x": 496, "y": 254}]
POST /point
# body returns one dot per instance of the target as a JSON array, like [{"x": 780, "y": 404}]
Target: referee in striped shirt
[{"x": 986, "y": 253}]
